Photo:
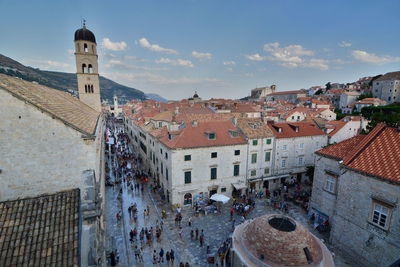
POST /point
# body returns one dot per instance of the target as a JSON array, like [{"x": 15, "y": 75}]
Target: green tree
[
  {"x": 328, "y": 86},
  {"x": 390, "y": 115},
  {"x": 363, "y": 96}
]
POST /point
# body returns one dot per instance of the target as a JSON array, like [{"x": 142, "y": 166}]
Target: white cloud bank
[
  {"x": 143, "y": 42},
  {"x": 291, "y": 56},
  {"x": 231, "y": 62},
  {"x": 200, "y": 55},
  {"x": 114, "y": 46},
  {"x": 177, "y": 62},
  {"x": 372, "y": 58}
]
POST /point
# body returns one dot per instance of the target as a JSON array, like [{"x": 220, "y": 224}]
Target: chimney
[
  {"x": 176, "y": 110},
  {"x": 234, "y": 121},
  {"x": 194, "y": 123}
]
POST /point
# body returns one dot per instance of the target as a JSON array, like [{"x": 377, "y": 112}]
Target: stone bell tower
[{"x": 87, "y": 68}]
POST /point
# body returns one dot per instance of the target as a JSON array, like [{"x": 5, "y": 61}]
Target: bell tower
[{"x": 87, "y": 68}]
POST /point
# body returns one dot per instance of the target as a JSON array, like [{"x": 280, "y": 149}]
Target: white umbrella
[{"x": 219, "y": 198}]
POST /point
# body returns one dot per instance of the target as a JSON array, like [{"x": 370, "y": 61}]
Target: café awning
[
  {"x": 269, "y": 178},
  {"x": 239, "y": 185}
]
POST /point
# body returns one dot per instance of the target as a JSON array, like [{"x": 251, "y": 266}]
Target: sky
[{"x": 219, "y": 48}]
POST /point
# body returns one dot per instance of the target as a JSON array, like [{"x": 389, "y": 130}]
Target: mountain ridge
[{"x": 67, "y": 81}]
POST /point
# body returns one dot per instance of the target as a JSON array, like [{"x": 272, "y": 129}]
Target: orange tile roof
[
  {"x": 288, "y": 130},
  {"x": 254, "y": 128},
  {"x": 378, "y": 154},
  {"x": 340, "y": 150},
  {"x": 194, "y": 137},
  {"x": 336, "y": 125}
]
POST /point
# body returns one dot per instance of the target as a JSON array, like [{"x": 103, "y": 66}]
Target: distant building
[
  {"x": 290, "y": 96},
  {"x": 347, "y": 98},
  {"x": 261, "y": 92},
  {"x": 356, "y": 188},
  {"x": 387, "y": 87},
  {"x": 277, "y": 240}
]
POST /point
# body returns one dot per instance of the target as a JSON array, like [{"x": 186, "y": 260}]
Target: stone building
[
  {"x": 294, "y": 146},
  {"x": 387, "y": 87},
  {"x": 259, "y": 93},
  {"x": 277, "y": 240},
  {"x": 290, "y": 96},
  {"x": 356, "y": 188},
  {"x": 50, "y": 142},
  {"x": 87, "y": 71}
]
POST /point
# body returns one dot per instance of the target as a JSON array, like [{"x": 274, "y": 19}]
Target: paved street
[{"x": 217, "y": 227}]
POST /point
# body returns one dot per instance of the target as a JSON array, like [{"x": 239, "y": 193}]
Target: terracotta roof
[
  {"x": 193, "y": 137},
  {"x": 378, "y": 154},
  {"x": 40, "y": 231},
  {"x": 340, "y": 150},
  {"x": 164, "y": 116},
  {"x": 59, "y": 104},
  {"x": 288, "y": 92},
  {"x": 254, "y": 128},
  {"x": 288, "y": 130},
  {"x": 390, "y": 76}
]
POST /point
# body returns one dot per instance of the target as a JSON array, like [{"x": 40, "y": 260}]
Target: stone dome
[
  {"x": 277, "y": 240},
  {"x": 83, "y": 34}
]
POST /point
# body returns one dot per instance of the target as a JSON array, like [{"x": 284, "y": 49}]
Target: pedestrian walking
[
  {"x": 172, "y": 255},
  {"x": 155, "y": 257},
  {"x": 161, "y": 254},
  {"x": 191, "y": 234},
  {"x": 190, "y": 222},
  {"x": 187, "y": 264},
  {"x": 167, "y": 258},
  {"x": 137, "y": 253},
  {"x": 201, "y": 238},
  {"x": 181, "y": 264},
  {"x": 197, "y": 233}
]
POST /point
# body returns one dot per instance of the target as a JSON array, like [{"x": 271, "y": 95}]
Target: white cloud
[
  {"x": 152, "y": 78},
  {"x": 317, "y": 63},
  {"x": 227, "y": 63},
  {"x": 255, "y": 57},
  {"x": 143, "y": 42},
  {"x": 118, "y": 64},
  {"x": 291, "y": 56},
  {"x": 70, "y": 51},
  {"x": 48, "y": 64},
  {"x": 372, "y": 58},
  {"x": 200, "y": 55},
  {"x": 114, "y": 46},
  {"x": 344, "y": 44},
  {"x": 177, "y": 62}
]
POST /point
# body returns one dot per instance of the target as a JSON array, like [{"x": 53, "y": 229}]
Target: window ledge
[
  {"x": 386, "y": 230},
  {"x": 332, "y": 193}
]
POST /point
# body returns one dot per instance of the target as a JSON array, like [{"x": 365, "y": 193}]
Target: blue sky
[{"x": 218, "y": 48}]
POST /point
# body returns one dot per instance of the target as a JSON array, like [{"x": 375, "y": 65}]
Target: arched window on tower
[
  {"x": 85, "y": 48},
  {"x": 90, "y": 68},
  {"x": 84, "y": 69},
  {"x": 86, "y": 89}
]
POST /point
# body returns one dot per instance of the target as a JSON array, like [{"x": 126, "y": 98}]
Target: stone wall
[
  {"x": 352, "y": 229},
  {"x": 39, "y": 154},
  {"x": 321, "y": 199}
]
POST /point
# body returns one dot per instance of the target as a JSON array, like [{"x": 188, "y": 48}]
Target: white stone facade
[
  {"x": 293, "y": 155},
  {"x": 387, "y": 90}
]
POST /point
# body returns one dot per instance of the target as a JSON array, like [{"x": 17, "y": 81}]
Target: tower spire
[{"x": 84, "y": 23}]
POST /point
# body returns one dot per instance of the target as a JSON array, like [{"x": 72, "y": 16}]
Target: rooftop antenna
[{"x": 83, "y": 23}]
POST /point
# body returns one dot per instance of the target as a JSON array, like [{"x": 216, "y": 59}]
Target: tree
[
  {"x": 367, "y": 95},
  {"x": 318, "y": 92},
  {"x": 328, "y": 86},
  {"x": 390, "y": 115}
]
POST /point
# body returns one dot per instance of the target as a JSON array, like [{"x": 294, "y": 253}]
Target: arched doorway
[{"x": 187, "y": 199}]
